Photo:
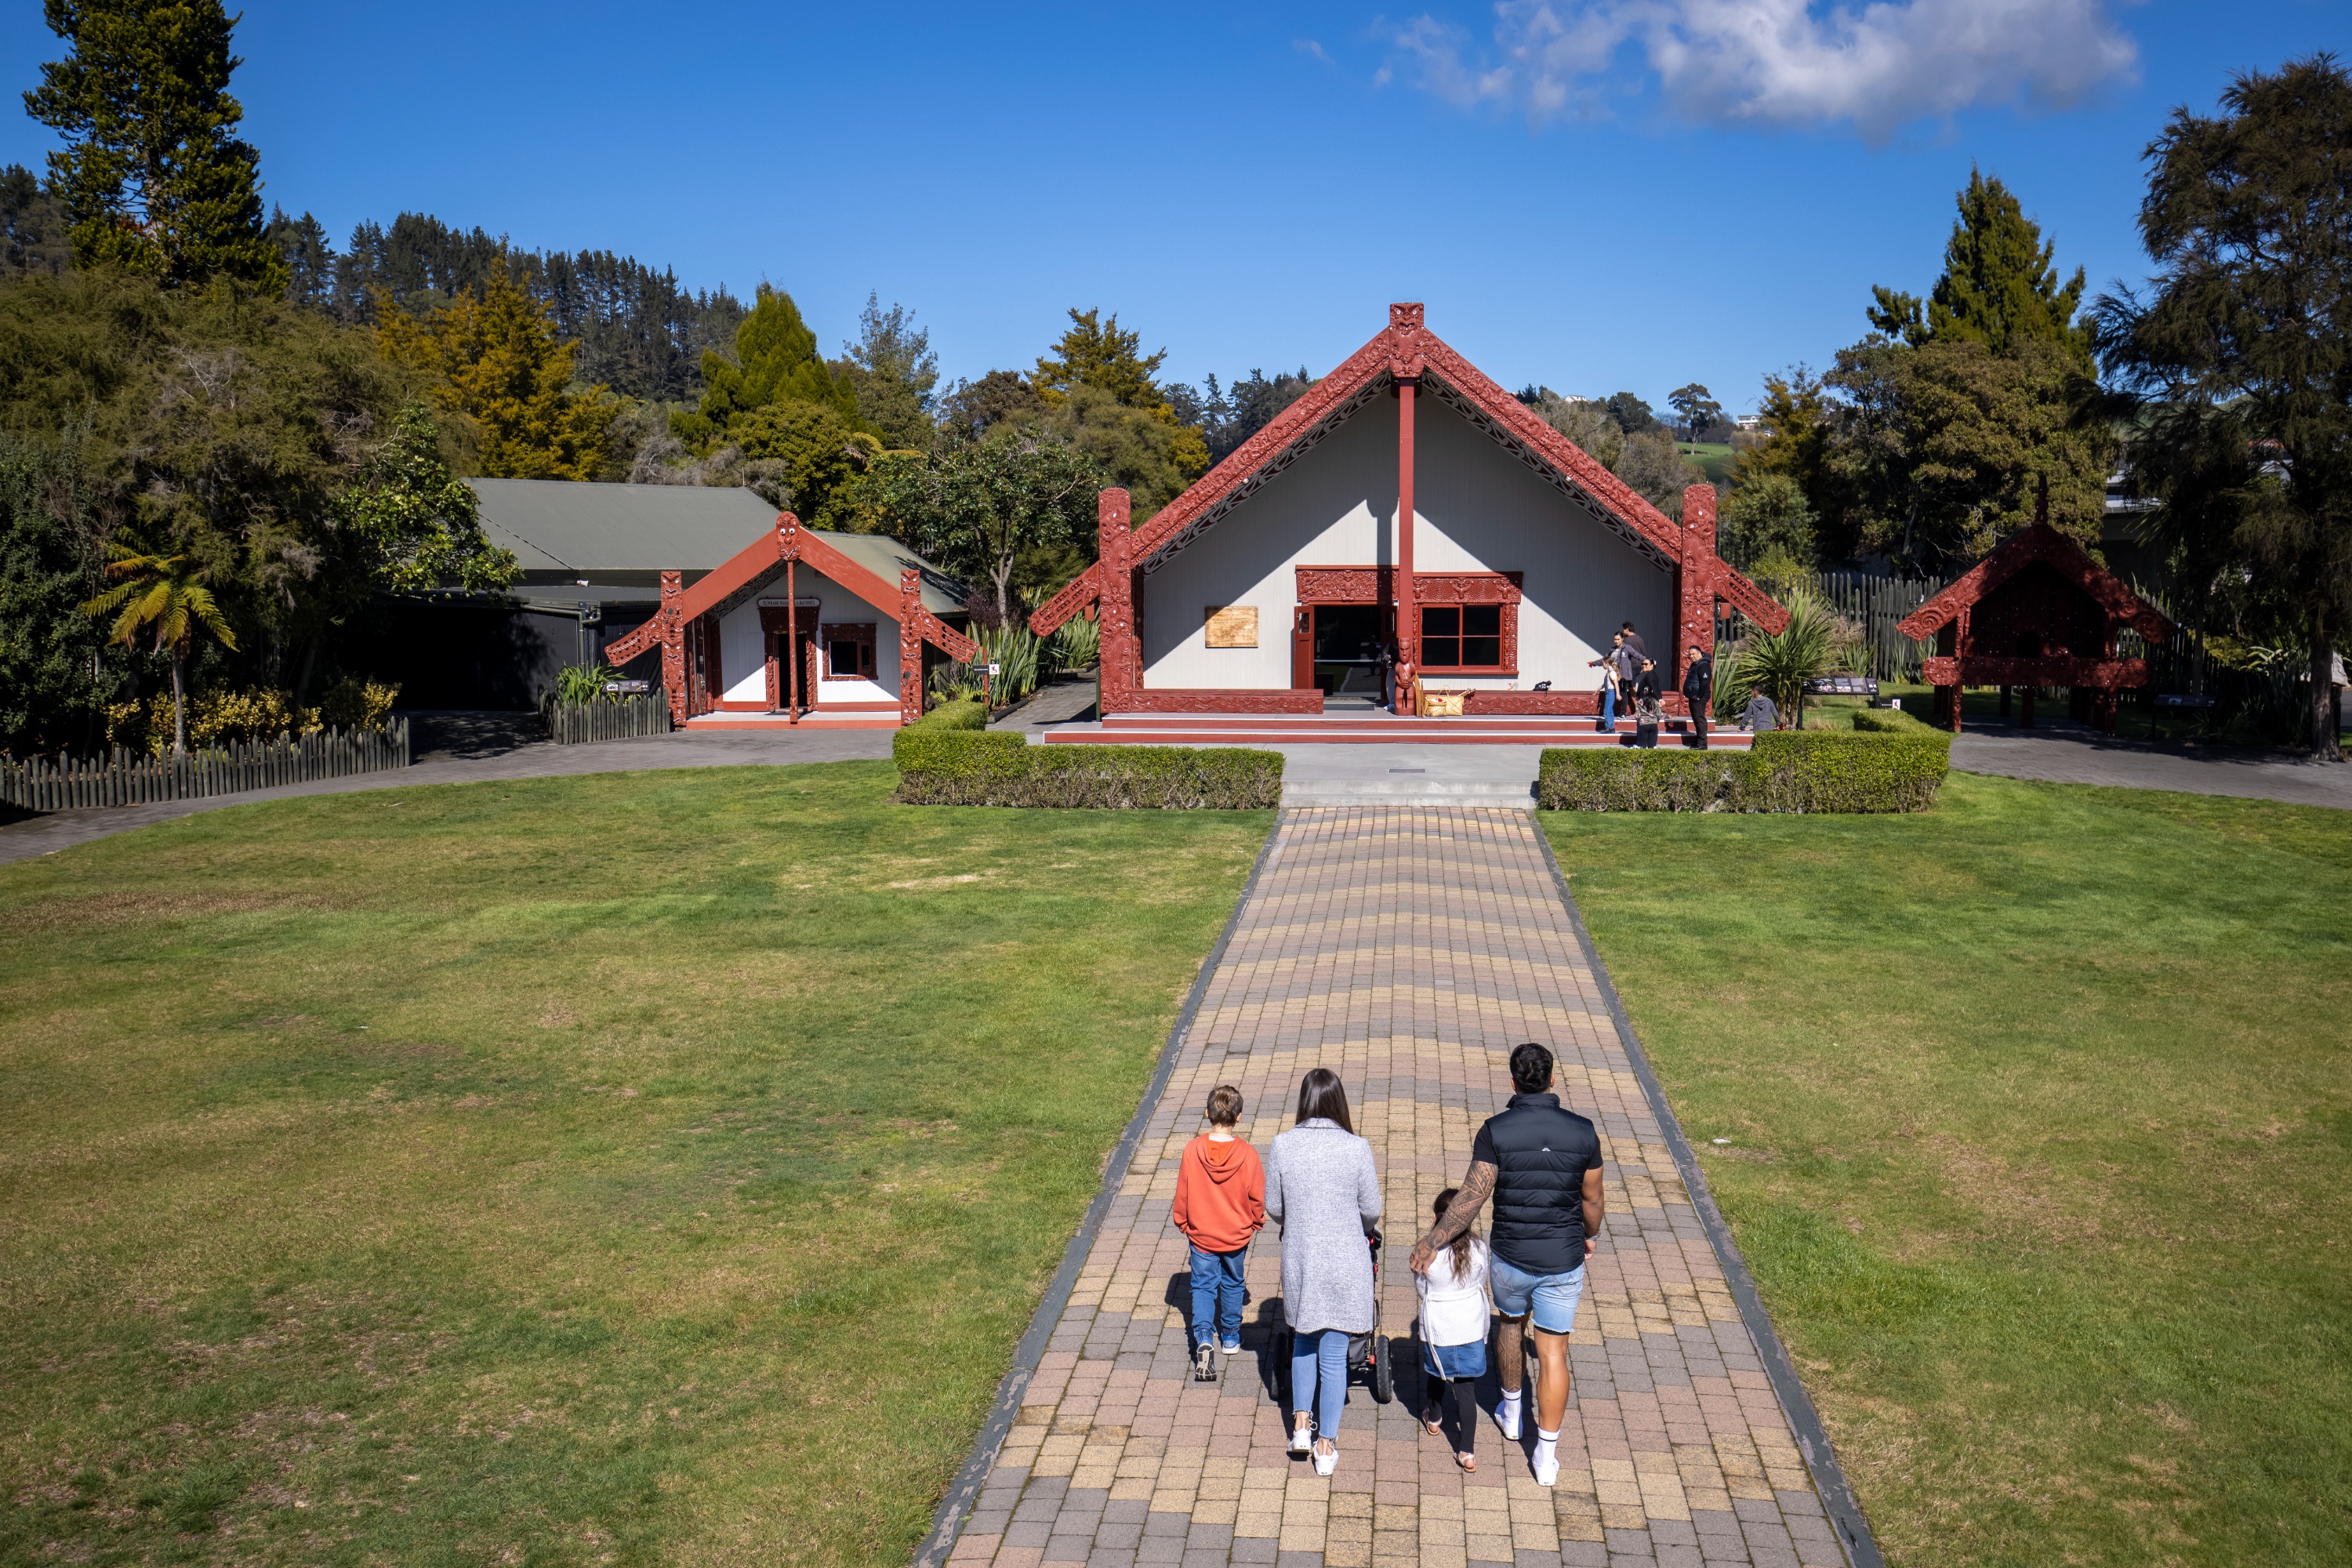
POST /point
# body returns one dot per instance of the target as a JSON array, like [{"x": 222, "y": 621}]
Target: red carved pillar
[
  {"x": 1408, "y": 603},
  {"x": 1122, "y": 660},
  {"x": 1695, "y": 581},
  {"x": 672, "y": 645},
  {"x": 793, "y": 639},
  {"x": 910, "y": 646}
]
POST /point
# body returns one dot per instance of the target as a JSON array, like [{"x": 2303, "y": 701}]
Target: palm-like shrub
[
  {"x": 1013, "y": 648},
  {"x": 581, "y": 683},
  {"x": 1076, "y": 644},
  {"x": 165, "y": 595},
  {"x": 1815, "y": 642}
]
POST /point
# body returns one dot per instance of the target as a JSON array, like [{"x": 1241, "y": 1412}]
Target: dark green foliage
[
  {"x": 220, "y": 425},
  {"x": 999, "y": 767},
  {"x": 637, "y": 331},
  {"x": 892, "y": 370},
  {"x": 1786, "y": 771},
  {"x": 153, "y": 175},
  {"x": 1697, "y": 408},
  {"x": 1226, "y": 418},
  {"x": 1630, "y": 414},
  {"x": 50, "y": 559},
  {"x": 776, "y": 361},
  {"x": 2000, "y": 285},
  {"x": 2248, "y": 339},
  {"x": 32, "y": 225}
]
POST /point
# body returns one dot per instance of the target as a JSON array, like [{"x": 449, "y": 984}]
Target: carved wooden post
[
  {"x": 1122, "y": 660},
  {"x": 910, "y": 646},
  {"x": 1695, "y": 581},
  {"x": 672, "y": 645},
  {"x": 1408, "y": 603}
]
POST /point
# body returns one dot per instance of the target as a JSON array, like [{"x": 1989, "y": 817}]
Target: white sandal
[{"x": 1326, "y": 1462}]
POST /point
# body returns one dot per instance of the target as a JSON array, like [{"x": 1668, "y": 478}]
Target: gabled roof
[
  {"x": 866, "y": 565},
  {"x": 2038, "y": 543},
  {"x": 580, "y": 528},
  {"x": 1405, "y": 349}
]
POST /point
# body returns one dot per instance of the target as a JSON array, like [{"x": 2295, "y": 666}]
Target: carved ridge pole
[
  {"x": 672, "y": 645},
  {"x": 1695, "y": 575},
  {"x": 910, "y": 645},
  {"x": 1122, "y": 673},
  {"x": 1408, "y": 601},
  {"x": 1405, "y": 364}
]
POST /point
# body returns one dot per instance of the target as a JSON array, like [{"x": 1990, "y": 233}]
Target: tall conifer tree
[
  {"x": 776, "y": 361},
  {"x": 1999, "y": 282},
  {"x": 153, "y": 175}
]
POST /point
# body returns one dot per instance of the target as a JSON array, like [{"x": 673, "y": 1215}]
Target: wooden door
[{"x": 1302, "y": 648}]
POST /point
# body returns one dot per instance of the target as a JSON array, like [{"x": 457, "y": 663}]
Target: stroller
[{"x": 1367, "y": 1354}]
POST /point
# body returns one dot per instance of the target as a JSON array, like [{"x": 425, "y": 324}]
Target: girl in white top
[{"x": 1454, "y": 1322}]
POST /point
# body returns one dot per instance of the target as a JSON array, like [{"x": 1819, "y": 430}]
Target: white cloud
[{"x": 1777, "y": 63}]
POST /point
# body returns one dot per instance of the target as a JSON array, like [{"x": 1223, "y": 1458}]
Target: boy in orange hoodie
[{"x": 1219, "y": 1205}]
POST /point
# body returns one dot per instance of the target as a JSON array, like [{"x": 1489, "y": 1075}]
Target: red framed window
[
  {"x": 849, "y": 652},
  {"x": 1461, "y": 638}
]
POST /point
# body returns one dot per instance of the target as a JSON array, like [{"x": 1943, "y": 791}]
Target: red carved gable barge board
[{"x": 1407, "y": 348}]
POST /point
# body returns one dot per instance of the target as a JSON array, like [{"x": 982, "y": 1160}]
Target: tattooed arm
[{"x": 1476, "y": 1188}]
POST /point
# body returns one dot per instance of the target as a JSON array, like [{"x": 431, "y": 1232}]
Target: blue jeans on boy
[
  {"x": 1319, "y": 1362},
  {"x": 1217, "y": 1296},
  {"x": 1608, "y": 709}
]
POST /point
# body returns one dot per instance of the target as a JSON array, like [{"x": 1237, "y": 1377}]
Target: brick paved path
[{"x": 1409, "y": 949}]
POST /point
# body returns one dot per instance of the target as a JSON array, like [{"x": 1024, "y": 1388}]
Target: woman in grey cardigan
[{"x": 1321, "y": 1189}]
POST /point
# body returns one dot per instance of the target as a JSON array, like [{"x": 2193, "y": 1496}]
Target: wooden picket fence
[
  {"x": 576, "y": 724},
  {"x": 124, "y": 777}
]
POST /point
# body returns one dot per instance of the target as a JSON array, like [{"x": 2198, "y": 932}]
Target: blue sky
[{"x": 1591, "y": 193}]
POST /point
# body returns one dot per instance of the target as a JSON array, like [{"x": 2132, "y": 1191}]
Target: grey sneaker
[{"x": 1204, "y": 1365}]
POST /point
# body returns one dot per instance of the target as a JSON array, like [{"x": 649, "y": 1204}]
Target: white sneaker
[
  {"x": 1507, "y": 1416},
  {"x": 1301, "y": 1439},
  {"x": 1326, "y": 1462}
]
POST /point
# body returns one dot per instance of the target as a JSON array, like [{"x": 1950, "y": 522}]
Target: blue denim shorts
[
  {"x": 1552, "y": 1296},
  {"x": 1458, "y": 1361}
]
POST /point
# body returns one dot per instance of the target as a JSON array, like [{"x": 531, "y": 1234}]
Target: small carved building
[{"x": 2037, "y": 612}]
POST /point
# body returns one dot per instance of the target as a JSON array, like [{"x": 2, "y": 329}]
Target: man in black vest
[
  {"x": 1541, "y": 1165},
  {"x": 1698, "y": 691}
]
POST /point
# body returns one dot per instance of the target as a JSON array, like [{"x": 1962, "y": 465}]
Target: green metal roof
[{"x": 558, "y": 529}]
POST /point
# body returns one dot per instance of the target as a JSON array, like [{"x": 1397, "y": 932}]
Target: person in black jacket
[
  {"x": 1698, "y": 691},
  {"x": 1540, "y": 1163},
  {"x": 1647, "y": 713}
]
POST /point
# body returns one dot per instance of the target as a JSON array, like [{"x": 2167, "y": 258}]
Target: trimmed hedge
[
  {"x": 940, "y": 766},
  {"x": 962, "y": 713},
  {"x": 1891, "y": 721},
  {"x": 1786, "y": 771}
]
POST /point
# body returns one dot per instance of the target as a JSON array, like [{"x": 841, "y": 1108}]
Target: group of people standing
[
  {"x": 1629, "y": 677},
  {"x": 1536, "y": 1162}
]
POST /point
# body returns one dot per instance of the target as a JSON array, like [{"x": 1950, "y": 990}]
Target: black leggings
[{"x": 1466, "y": 1407}]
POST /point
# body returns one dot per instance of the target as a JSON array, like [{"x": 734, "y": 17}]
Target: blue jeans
[
  {"x": 1217, "y": 1294},
  {"x": 1318, "y": 1367},
  {"x": 1608, "y": 708}
]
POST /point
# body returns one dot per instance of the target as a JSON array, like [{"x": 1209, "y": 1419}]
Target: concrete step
[{"x": 1485, "y": 793}]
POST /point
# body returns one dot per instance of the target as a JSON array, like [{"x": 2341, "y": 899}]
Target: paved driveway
[{"x": 2070, "y": 753}]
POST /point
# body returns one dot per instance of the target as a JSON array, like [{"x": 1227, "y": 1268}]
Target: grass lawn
[
  {"x": 647, "y": 1168},
  {"x": 1714, "y": 456},
  {"x": 2040, "y": 1111}
]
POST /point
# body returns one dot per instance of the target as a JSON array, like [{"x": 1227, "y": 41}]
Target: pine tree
[
  {"x": 153, "y": 175},
  {"x": 500, "y": 363},
  {"x": 1094, "y": 352},
  {"x": 775, "y": 361},
  {"x": 1999, "y": 282}
]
